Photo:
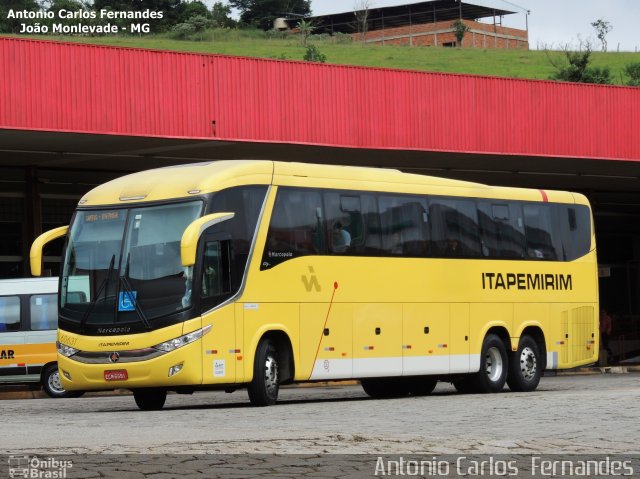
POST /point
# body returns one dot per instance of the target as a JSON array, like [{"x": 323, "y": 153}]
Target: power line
[{"x": 515, "y": 5}]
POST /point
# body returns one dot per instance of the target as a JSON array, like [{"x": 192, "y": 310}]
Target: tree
[
  {"x": 602, "y": 28},
  {"x": 460, "y": 29},
  {"x": 632, "y": 70},
  {"x": 577, "y": 67},
  {"x": 193, "y": 9},
  {"x": 221, "y": 16},
  {"x": 314, "y": 55},
  {"x": 361, "y": 11},
  {"x": 306, "y": 29},
  {"x": 12, "y": 25},
  {"x": 262, "y": 13}
]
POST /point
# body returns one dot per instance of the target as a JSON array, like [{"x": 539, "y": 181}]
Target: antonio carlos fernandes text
[{"x": 535, "y": 466}]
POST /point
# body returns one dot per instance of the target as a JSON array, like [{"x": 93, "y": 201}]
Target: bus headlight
[
  {"x": 66, "y": 351},
  {"x": 176, "y": 343}
]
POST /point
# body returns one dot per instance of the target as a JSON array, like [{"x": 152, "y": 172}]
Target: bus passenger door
[
  {"x": 220, "y": 345},
  {"x": 425, "y": 339}
]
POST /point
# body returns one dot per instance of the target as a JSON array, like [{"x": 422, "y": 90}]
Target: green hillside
[{"x": 506, "y": 63}]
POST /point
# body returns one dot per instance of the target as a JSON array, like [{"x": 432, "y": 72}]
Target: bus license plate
[{"x": 116, "y": 375}]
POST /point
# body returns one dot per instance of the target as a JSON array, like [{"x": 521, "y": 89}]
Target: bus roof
[{"x": 184, "y": 181}]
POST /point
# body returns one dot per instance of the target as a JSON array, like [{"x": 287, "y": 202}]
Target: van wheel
[
  {"x": 384, "y": 388},
  {"x": 150, "y": 399},
  {"x": 52, "y": 386},
  {"x": 494, "y": 366},
  {"x": 265, "y": 385},
  {"x": 524, "y": 367}
]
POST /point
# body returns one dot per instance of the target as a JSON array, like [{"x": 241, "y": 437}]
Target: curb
[{"x": 599, "y": 370}]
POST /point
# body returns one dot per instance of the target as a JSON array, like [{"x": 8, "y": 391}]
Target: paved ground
[{"x": 569, "y": 414}]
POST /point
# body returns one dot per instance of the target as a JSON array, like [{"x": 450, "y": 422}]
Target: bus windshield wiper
[
  {"x": 103, "y": 286},
  {"x": 129, "y": 291}
]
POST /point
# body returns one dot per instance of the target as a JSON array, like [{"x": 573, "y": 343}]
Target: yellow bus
[{"x": 256, "y": 274}]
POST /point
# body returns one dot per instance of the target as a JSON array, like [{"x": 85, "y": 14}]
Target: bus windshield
[{"x": 123, "y": 265}]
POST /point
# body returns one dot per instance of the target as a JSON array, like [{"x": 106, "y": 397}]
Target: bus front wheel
[
  {"x": 263, "y": 389},
  {"x": 524, "y": 367},
  {"x": 494, "y": 365},
  {"x": 150, "y": 399}
]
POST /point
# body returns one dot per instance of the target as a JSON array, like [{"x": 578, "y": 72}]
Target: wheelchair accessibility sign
[{"x": 127, "y": 301}]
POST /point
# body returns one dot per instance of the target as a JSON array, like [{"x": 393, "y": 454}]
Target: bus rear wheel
[
  {"x": 494, "y": 365},
  {"x": 150, "y": 399},
  {"x": 52, "y": 386},
  {"x": 524, "y": 367},
  {"x": 264, "y": 387}
]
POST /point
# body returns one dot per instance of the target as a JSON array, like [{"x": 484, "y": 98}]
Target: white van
[{"x": 28, "y": 328}]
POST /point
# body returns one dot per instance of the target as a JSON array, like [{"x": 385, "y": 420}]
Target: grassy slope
[{"x": 507, "y": 63}]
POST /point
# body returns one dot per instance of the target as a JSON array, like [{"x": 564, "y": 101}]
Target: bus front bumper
[{"x": 180, "y": 367}]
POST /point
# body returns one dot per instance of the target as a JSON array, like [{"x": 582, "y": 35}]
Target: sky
[{"x": 553, "y": 23}]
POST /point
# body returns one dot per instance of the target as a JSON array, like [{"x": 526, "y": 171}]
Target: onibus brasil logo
[{"x": 36, "y": 467}]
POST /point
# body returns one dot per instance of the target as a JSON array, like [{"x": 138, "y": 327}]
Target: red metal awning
[{"x": 66, "y": 87}]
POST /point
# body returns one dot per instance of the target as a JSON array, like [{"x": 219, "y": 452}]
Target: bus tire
[
  {"x": 385, "y": 388},
  {"x": 51, "y": 385},
  {"x": 150, "y": 399},
  {"x": 264, "y": 387},
  {"x": 524, "y": 367},
  {"x": 494, "y": 366},
  {"x": 422, "y": 386}
]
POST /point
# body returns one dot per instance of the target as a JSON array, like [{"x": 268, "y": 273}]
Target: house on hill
[{"x": 426, "y": 24}]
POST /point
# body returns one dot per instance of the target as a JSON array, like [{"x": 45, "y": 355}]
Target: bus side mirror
[
  {"x": 191, "y": 235},
  {"x": 35, "y": 256}
]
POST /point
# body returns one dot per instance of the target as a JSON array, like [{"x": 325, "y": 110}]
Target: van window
[
  {"x": 44, "y": 312},
  {"x": 9, "y": 313}
]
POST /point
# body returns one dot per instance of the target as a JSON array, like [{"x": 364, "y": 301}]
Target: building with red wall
[{"x": 426, "y": 24}]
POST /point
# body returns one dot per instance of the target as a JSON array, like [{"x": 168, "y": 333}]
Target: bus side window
[
  {"x": 216, "y": 273},
  {"x": 9, "y": 313},
  {"x": 404, "y": 225},
  {"x": 215, "y": 276},
  {"x": 502, "y": 228},
  {"x": 541, "y": 242},
  {"x": 454, "y": 228},
  {"x": 574, "y": 223},
  {"x": 43, "y": 312},
  {"x": 344, "y": 221},
  {"x": 296, "y": 227}
]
